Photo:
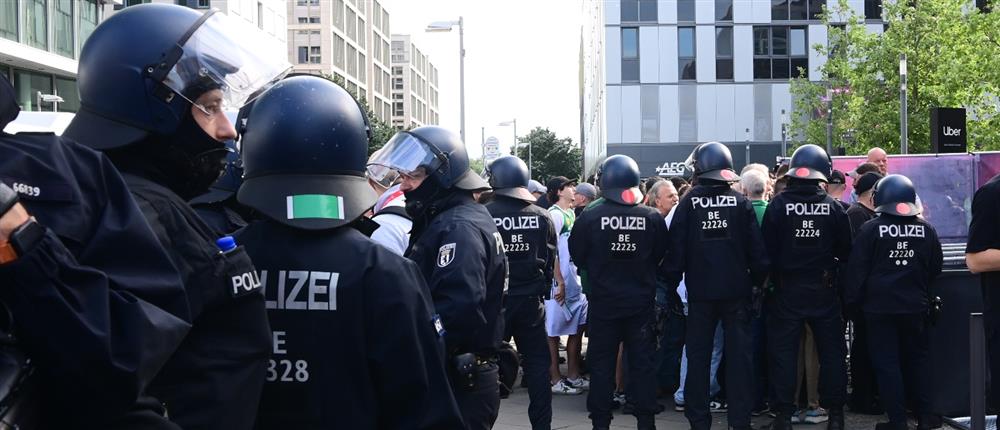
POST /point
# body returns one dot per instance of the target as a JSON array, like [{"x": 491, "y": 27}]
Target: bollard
[{"x": 977, "y": 372}]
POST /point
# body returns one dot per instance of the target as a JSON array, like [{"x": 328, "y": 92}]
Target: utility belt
[
  {"x": 826, "y": 278},
  {"x": 465, "y": 367}
]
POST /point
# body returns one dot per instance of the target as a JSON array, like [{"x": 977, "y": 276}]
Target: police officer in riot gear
[
  {"x": 86, "y": 284},
  {"x": 156, "y": 109},
  {"x": 808, "y": 239},
  {"x": 620, "y": 243},
  {"x": 529, "y": 240},
  {"x": 716, "y": 245},
  {"x": 356, "y": 346},
  {"x": 455, "y": 243},
  {"x": 895, "y": 258}
]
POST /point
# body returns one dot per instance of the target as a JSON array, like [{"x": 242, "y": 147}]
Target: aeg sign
[
  {"x": 671, "y": 169},
  {"x": 948, "y": 130}
]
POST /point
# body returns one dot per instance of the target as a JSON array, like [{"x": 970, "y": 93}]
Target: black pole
[{"x": 977, "y": 372}]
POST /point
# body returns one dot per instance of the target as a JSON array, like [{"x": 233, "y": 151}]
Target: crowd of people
[{"x": 164, "y": 268}]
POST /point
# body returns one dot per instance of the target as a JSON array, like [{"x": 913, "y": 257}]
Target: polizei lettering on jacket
[
  {"x": 300, "y": 290},
  {"x": 802, "y": 209},
  {"x": 517, "y": 222},
  {"x": 906, "y": 230},
  {"x": 623, "y": 222},
  {"x": 713, "y": 202}
]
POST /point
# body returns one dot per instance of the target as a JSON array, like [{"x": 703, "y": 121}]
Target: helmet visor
[
  {"x": 225, "y": 55},
  {"x": 402, "y": 154}
]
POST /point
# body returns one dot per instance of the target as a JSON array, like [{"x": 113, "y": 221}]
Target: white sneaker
[
  {"x": 579, "y": 383},
  {"x": 563, "y": 387}
]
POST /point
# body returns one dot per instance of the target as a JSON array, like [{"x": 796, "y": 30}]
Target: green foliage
[
  {"x": 381, "y": 132},
  {"x": 953, "y": 59},
  {"x": 550, "y": 156}
]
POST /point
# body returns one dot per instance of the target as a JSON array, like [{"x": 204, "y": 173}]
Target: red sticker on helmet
[
  {"x": 727, "y": 175},
  {"x": 629, "y": 197},
  {"x": 903, "y": 208},
  {"x": 802, "y": 172}
]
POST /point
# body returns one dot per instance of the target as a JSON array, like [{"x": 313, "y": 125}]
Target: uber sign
[{"x": 948, "y": 131}]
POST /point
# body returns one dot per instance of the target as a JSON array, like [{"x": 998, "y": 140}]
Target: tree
[
  {"x": 953, "y": 58},
  {"x": 550, "y": 156},
  {"x": 381, "y": 132}
]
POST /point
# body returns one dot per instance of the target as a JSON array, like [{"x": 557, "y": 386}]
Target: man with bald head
[{"x": 878, "y": 157}]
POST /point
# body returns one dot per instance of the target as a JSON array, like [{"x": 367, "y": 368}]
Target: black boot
[
  {"x": 929, "y": 421},
  {"x": 891, "y": 426},
  {"x": 836, "y": 421},
  {"x": 781, "y": 422}
]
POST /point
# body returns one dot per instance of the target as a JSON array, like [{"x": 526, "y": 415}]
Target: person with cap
[
  {"x": 585, "y": 194},
  {"x": 620, "y": 243},
  {"x": 377, "y": 333},
  {"x": 864, "y": 392},
  {"x": 808, "y": 239},
  {"x": 566, "y": 310},
  {"x": 529, "y": 241},
  {"x": 539, "y": 191},
  {"x": 86, "y": 285},
  {"x": 895, "y": 258},
  {"x": 982, "y": 256},
  {"x": 836, "y": 188},
  {"x": 218, "y": 207},
  {"x": 459, "y": 251},
  {"x": 156, "y": 109},
  {"x": 716, "y": 246}
]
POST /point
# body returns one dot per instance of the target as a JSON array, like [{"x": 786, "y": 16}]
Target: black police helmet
[
  {"x": 895, "y": 195},
  {"x": 712, "y": 160},
  {"x": 129, "y": 90},
  {"x": 508, "y": 176},
  {"x": 305, "y": 146},
  {"x": 618, "y": 178},
  {"x": 810, "y": 162},
  {"x": 455, "y": 173}
]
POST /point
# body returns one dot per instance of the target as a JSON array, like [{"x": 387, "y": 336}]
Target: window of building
[
  {"x": 361, "y": 34},
  {"x": 27, "y": 85},
  {"x": 397, "y": 83},
  {"x": 352, "y": 61},
  {"x": 649, "y": 110},
  {"x": 338, "y": 51},
  {"x": 260, "y": 15},
  {"x": 784, "y": 10},
  {"x": 307, "y": 2},
  {"x": 630, "y": 54},
  {"x": 314, "y": 20},
  {"x": 685, "y": 10},
  {"x": 396, "y": 70},
  {"x": 204, "y": 4},
  {"x": 352, "y": 24},
  {"x": 779, "y": 52},
  {"x": 309, "y": 55},
  {"x": 385, "y": 22},
  {"x": 723, "y": 10},
  {"x": 724, "y": 53},
  {"x": 362, "y": 93},
  {"x": 385, "y": 52},
  {"x": 88, "y": 16},
  {"x": 63, "y": 19},
  {"x": 66, "y": 88},
  {"x": 377, "y": 16},
  {"x": 338, "y": 14},
  {"x": 397, "y": 109},
  {"x": 135, "y": 2},
  {"x": 8, "y": 19},
  {"x": 36, "y": 24},
  {"x": 873, "y": 9},
  {"x": 686, "y": 65},
  {"x": 362, "y": 68}
]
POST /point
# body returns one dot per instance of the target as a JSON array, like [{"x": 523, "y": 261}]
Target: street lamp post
[
  {"x": 903, "y": 120},
  {"x": 446, "y": 26},
  {"x": 48, "y": 98},
  {"x": 784, "y": 134},
  {"x": 513, "y": 123},
  {"x": 747, "y": 131}
]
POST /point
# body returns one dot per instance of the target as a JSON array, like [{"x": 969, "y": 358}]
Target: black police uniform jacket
[
  {"x": 220, "y": 217},
  {"x": 620, "y": 247},
  {"x": 893, "y": 261},
  {"x": 808, "y": 238},
  {"x": 214, "y": 380},
  {"x": 96, "y": 303},
  {"x": 529, "y": 241},
  {"x": 716, "y": 244},
  {"x": 355, "y": 343},
  {"x": 460, "y": 253}
]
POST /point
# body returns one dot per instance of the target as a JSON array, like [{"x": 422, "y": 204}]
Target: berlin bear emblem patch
[{"x": 446, "y": 254}]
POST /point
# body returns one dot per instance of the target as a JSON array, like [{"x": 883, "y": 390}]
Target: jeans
[{"x": 716, "y": 359}]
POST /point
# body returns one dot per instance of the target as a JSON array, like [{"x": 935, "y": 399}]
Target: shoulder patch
[{"x": 446, "y": 254}]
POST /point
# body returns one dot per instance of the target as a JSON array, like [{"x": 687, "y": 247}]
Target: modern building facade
[
  {"x": 661, "y": 76},
  {"x": 347, "y": 40},
  {"x": 40, "y": 43},
  {"x": 414, "y": 85}
]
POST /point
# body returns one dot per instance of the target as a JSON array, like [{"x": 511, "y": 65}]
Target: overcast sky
[{"x": 521, "y": 61}]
